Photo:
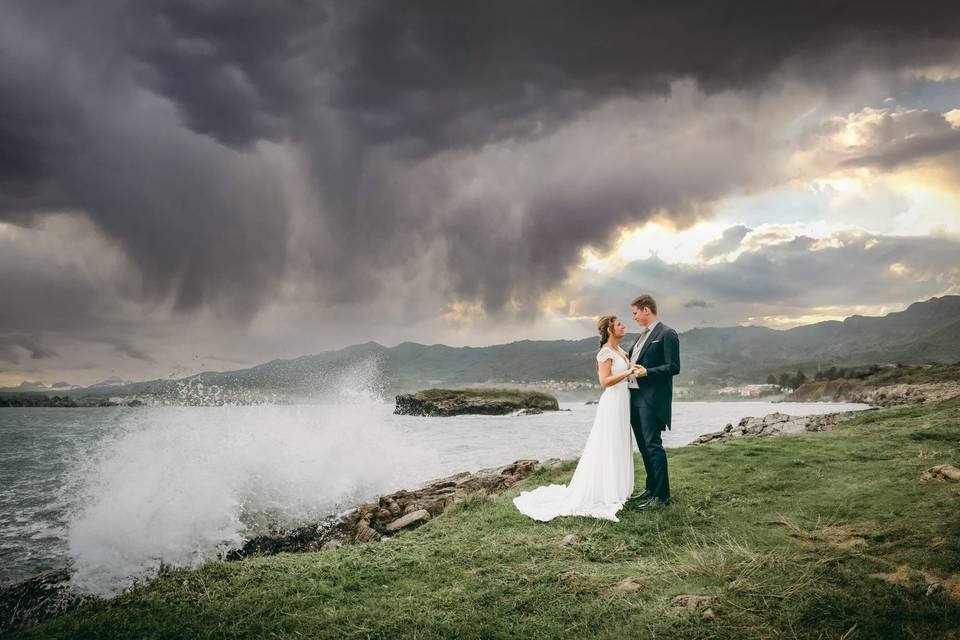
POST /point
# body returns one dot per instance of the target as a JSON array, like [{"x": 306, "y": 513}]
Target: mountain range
[{"x": 927, "y": 331}]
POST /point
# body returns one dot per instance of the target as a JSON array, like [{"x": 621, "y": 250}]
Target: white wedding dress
[{"x": 603, "y": 479}]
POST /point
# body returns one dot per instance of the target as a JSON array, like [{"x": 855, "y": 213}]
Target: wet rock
[
  {"x": 529, "y": 412},
  {"x": 418, "y": 516},
  {"x": 365, "y": 533},
  {"x": 940, "y": 473},
  {"x": 43, "y": 596},
  {"x": 368, "y": 522}
]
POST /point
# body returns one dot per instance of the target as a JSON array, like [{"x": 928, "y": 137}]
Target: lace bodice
[{"x": 620, "y": 363}]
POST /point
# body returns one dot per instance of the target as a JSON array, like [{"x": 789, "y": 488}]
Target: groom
[{"x": 657, "y": 351}]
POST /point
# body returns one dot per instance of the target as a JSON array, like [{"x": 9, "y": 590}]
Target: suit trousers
[{"x": 647, "y": 428}]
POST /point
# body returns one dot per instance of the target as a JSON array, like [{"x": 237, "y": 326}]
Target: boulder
[
  {"x": 420, "y": 515},
  {"x": 941, "y": 472},
  {"x": 570, "y": 539},
  {"x": 629, "y": 585}
]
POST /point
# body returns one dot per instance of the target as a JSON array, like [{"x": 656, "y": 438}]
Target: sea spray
[{"x": 177, "y": 486}]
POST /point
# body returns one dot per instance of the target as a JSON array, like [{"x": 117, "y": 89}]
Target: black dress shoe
[
  {"x": 654, "y": 503},
  {"x": 643, "y": 495}
]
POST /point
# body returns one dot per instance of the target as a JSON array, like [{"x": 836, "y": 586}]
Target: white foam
[{"x": 180, "y": 485}]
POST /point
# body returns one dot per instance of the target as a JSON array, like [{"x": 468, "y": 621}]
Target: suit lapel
[
  {"x": 632, "y": 347},
  {"x": 653, "y": 336}
]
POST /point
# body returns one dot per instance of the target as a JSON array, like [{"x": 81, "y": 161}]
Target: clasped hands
[{"x": 638, "y": 371}]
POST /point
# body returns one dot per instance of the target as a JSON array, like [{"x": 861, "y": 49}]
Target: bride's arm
[{"x": 604, "y": 374}]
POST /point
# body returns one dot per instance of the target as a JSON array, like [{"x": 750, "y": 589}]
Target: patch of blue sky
[{"x": 923, "y": 93}]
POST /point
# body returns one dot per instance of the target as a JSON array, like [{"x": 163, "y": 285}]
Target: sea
[{"x": 115, "y": 493}]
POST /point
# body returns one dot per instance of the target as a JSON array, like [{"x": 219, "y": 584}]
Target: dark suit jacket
[{"x": 660, "y": 356}]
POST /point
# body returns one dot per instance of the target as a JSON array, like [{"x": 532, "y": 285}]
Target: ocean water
[{"x": 114, "y": 492}]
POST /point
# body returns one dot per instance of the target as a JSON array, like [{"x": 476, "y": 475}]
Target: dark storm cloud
[
  {"x": 129, "y": 350},
  {"x": 727, "y": 242},
  {"x": 199, "y": 221},
  {"x": 12, "y": 347},
  {"x": 441, "y": 74},
  {"x": 150, "y": 118},
  {"x": 696, "y": 303}
]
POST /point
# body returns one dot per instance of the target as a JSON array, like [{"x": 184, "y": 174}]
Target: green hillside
[{"x": 925, "y": 332}]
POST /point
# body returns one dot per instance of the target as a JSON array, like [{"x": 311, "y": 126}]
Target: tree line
[{"x": 788, "y": 380}]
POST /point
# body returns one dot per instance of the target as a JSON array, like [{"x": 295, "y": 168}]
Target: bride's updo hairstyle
[{"x": 603, "y": 326}]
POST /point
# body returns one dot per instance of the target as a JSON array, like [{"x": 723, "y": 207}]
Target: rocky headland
[
  {"x": 488, "y": 402},
  {"x": 881, "y": 396},
  {"x": 42, "y": 400},
  {"x": 884, "y": 386}
]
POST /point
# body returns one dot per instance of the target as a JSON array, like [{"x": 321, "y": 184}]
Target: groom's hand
[{"x": 639, "y": 371}]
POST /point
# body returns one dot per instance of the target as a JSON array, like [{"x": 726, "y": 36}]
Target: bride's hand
[{"x": 638, "y": 371}]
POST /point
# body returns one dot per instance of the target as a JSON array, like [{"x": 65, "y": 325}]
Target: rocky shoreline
[
  {"x": 404, "y": 509},
  {"x": 49, "y": 594},
  {"x": 775, "y": 424}
]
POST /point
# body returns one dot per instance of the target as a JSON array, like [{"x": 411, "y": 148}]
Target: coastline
[
  {"x": 49, "y": 594},
  {"x": 820, "y": 531}
]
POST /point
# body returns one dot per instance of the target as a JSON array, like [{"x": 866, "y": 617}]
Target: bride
[{"x": 603, "y": 479}]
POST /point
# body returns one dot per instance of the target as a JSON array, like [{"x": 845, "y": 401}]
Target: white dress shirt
[{"x": 632, "y": 380}]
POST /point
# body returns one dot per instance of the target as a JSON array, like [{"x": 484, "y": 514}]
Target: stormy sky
[{"x": 208, "y": 184}]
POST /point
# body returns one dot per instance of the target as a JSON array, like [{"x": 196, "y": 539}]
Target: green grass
[
  {"x": 917, "y": 374},
  {"x": 783, "y": 532}
]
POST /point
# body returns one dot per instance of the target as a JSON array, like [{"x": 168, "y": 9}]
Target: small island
[{"x": 487, "y": 402}]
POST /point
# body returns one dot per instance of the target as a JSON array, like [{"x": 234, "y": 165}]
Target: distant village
[
  {"x": 695, "y": 392},
  {"x": 753, "y": 390}
]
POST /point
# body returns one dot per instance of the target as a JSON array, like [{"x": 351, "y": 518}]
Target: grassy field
[{"x": 827, "y": 535}]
